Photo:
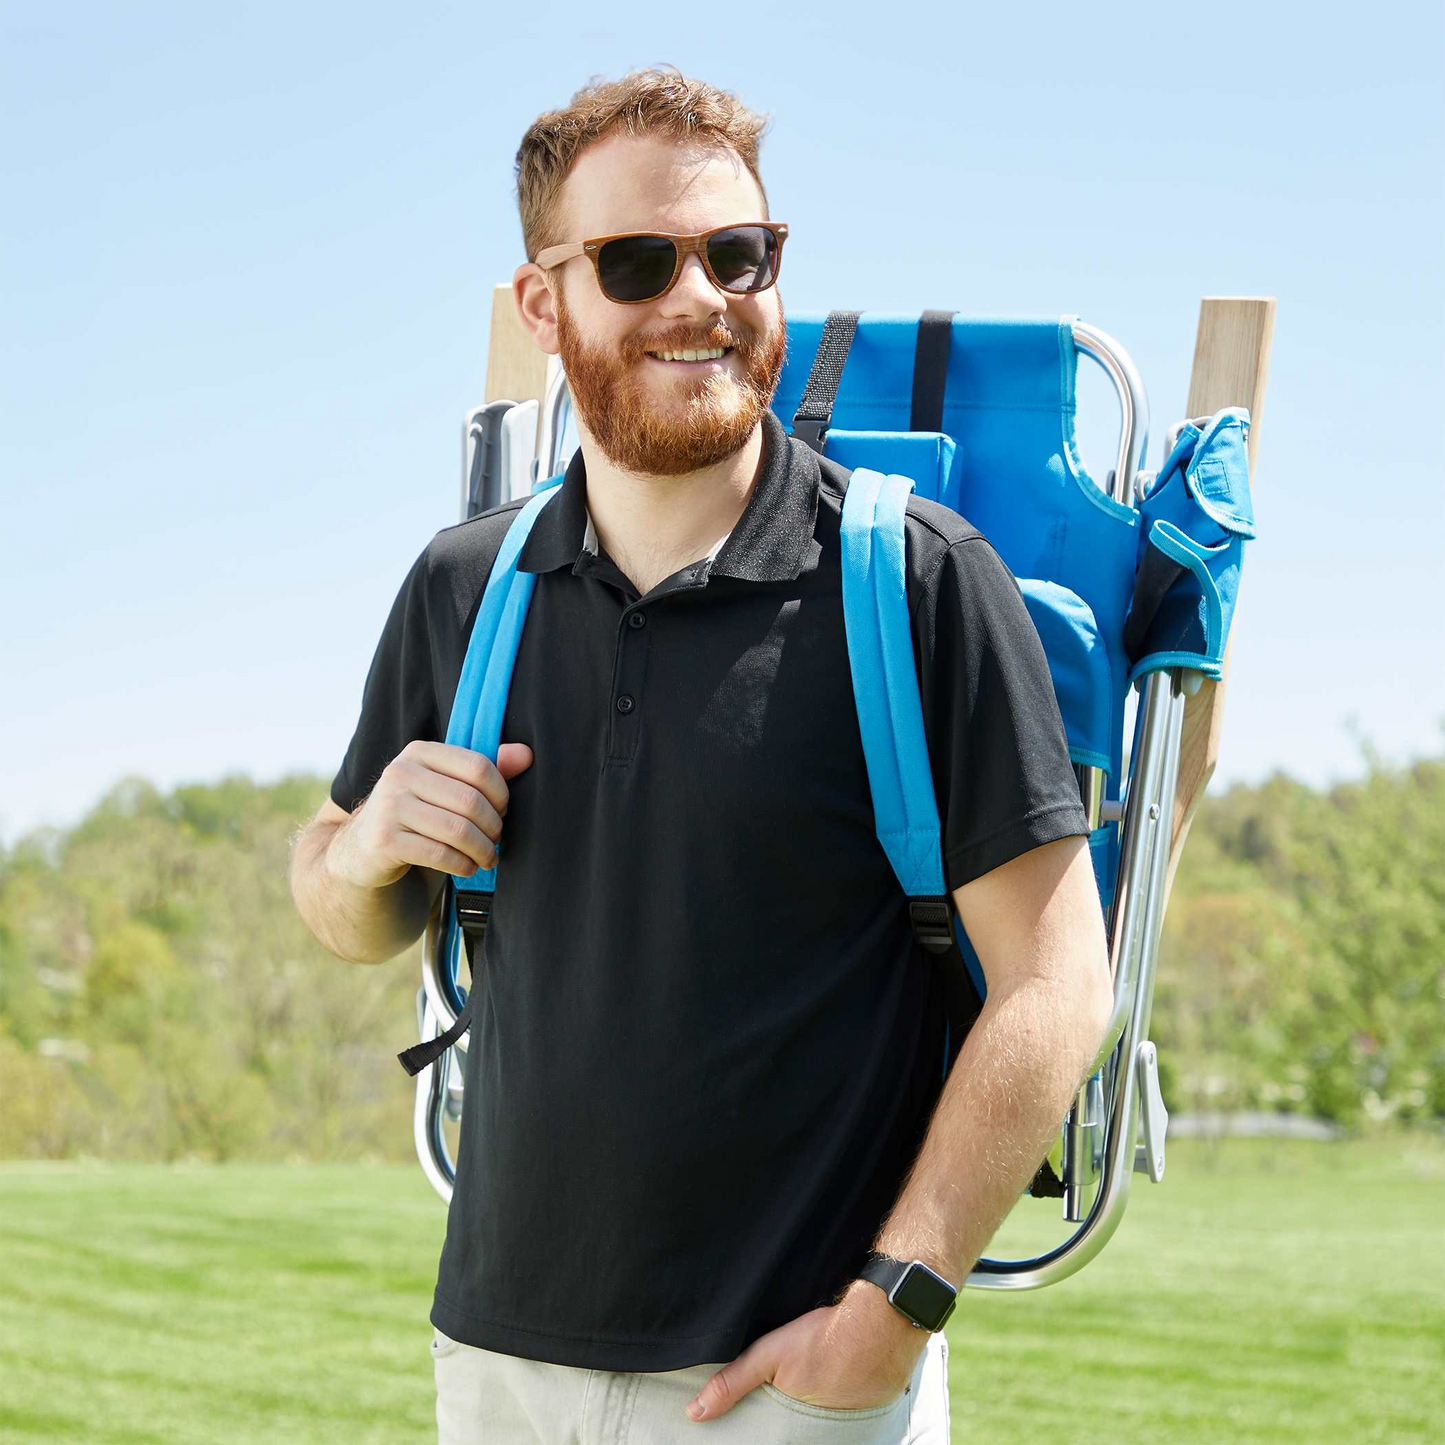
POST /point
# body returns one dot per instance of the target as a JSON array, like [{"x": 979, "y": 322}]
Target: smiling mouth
[{"x": 693, "y": 365}]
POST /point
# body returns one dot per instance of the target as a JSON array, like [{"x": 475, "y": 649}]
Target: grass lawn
[{"x": 1266, "y": 1291}]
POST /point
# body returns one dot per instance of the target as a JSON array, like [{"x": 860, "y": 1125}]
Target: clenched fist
[{"x": 437, "y": 805}]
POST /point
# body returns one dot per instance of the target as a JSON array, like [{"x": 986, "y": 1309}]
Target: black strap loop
[
  {"x": 815, "y": 410},
  {"x": 418, "y": 1056},
  {"x": 473, "y": 910},
  {"x": 930, "y": 369}
]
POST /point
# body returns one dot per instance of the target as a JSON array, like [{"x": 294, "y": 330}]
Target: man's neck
[{"x": 653, "y": 526}]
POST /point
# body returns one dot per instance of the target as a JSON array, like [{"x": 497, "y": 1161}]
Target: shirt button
[
  {"x": 636, "y": 619},
  {"x": 625, "y": 703}
]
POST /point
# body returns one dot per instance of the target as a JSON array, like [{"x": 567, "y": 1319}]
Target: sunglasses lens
[
  {"x": 744, "y": 258},
  {"x": 636, "y": 268}
]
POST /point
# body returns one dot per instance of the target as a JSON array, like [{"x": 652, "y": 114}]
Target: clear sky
[{"x": 249, "y": 253}]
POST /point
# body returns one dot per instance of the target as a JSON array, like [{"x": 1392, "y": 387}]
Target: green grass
[{"x": 1267, "y": 1291}]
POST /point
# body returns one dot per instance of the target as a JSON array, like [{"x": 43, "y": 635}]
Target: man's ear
[{"x": 535, "y": 305}]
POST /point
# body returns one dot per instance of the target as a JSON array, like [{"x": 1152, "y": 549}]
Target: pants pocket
[
  {"x": 833, "y": 1412},
  {"x": 442, "y": 1345}
]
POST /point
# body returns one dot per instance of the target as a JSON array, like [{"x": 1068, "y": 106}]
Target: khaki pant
[{"x": 485, "y": 1397}]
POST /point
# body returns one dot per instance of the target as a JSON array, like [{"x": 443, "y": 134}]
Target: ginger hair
[{"x": 658, "y": 101}]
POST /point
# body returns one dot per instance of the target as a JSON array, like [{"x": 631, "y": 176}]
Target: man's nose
[{"x": 694, "y": 294}]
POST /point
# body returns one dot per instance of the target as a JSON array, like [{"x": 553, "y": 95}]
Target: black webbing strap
[
  {"x": 473, "y": 909},
  {"x": 815, "y": 410},
  {"x": 930, "y": 369}
]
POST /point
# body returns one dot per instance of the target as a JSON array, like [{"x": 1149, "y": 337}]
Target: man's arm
[{"x": 1038, "y": 927}]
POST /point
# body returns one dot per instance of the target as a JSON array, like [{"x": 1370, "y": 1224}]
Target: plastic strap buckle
[
  {"x": 932, "y": 919},
  {"x": 815, "y": 406},
  {"x": 474, "y": 910},
  {"x": 811, "y": 431}
]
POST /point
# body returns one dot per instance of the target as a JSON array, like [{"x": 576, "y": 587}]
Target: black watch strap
[
  {"x": 887, "y": 1273},
  {"x": 883, "y": 1269}
]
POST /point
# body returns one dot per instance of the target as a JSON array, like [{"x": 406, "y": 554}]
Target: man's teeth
[{"x": 707, "y": 355}]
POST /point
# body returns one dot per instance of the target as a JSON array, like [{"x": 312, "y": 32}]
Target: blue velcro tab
[
  {"x": 885, "y": 678},
  {"x": 1194, "y": 524}
]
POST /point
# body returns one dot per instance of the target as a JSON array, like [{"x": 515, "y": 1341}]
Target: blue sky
[{"x": 250, "y": 249}]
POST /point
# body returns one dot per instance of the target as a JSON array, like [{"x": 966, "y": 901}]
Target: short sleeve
[
  {"x": 398, "y": 701},
  {"x": 996, "y": 740}
]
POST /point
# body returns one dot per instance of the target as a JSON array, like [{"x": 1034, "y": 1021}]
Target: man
[{"x": 704, "y": 1080}]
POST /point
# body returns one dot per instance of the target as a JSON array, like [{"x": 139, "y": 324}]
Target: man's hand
[
  {"x": 858, "y": 1352},
  {"x": 436, "y": 805}
]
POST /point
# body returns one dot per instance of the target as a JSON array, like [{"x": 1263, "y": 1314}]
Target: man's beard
[{"x": 642, "y": 430}]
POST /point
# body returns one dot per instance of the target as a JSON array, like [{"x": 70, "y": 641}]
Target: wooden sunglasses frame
[{"x": 683, "y": 247}]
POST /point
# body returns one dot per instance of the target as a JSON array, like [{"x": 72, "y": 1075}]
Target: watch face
[{"x": 925, "y": 1296}]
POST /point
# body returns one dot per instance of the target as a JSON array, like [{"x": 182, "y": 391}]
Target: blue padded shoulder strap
[
  {"x": 486, "y": 678},
  {"x": 890, "y": 718},
  {"x": 476, "y": 722},
  {"x": 885, "y": 679}
]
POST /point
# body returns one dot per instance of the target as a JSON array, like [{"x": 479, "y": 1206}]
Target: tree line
[{"x": 161, "y": 999}]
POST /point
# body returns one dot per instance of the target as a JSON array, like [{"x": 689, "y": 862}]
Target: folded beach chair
[{"x": 1132, "y": 587}]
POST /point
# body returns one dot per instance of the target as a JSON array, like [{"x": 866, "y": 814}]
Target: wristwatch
[{"x": 915, "y": 1290}]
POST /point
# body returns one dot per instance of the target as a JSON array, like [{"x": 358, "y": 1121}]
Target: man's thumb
[{"x": 513, "y": 758}]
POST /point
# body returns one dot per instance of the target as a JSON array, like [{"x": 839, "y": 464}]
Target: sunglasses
[{"x": 637, "y": 266}]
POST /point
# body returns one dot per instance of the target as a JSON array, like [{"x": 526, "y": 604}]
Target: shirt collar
[{"x": 772, "y": 541}]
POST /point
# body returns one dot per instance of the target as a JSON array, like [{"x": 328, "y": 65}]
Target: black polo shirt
[{"x": 706, "y": 1045}]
